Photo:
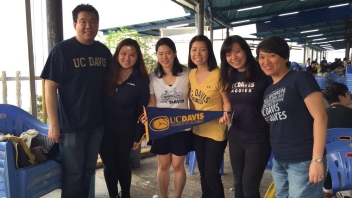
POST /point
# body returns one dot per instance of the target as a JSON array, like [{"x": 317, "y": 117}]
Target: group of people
[
  {"x": 94, "y": 101},
  {"x": 337, "y": 67}
]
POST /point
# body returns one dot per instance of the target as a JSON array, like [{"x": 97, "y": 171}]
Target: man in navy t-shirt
[{"x": 74, "y": 76}]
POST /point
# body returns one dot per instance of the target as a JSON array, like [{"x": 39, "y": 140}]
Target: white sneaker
[
  {"x": 327, "y": 191},
  {"x": 156, "y": 196}
]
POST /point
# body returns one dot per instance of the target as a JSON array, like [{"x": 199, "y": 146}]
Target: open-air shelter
[{"x": 321, "y": 25}]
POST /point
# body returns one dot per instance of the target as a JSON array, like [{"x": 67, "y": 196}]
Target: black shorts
[{"x": 178, "y": 144}]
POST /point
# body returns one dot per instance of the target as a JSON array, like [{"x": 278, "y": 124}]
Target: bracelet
[{"x": 317, "y": 160}]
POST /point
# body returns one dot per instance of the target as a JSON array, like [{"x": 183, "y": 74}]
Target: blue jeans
[
  {"x": 79, "y": 153},
  {"x": 292, "y": 180}
]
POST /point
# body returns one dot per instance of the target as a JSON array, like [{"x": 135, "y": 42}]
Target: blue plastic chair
[
  {"x": 270, "y": 162},
  {"x": 333, "y": 76},
  {"x": 322, "y": 81},
  {"x": 338, "y": 134},
  {"x": 191, "y": 161},
  {"x": 34, "y": 181},
  {"x": 339, "y": 156},
  {"x": 341, "y": 80}
]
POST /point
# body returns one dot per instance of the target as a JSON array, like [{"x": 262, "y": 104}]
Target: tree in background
[{"x": 147, "y": 44}]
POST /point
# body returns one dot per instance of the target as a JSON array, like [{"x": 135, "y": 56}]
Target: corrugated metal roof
[
  {"x": 332, "y": 23},
  {"x": 152, "y": 28}
]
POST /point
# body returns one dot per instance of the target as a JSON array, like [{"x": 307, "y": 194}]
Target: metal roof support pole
[
  {"x": 304, "y": 52},
  {"x": 211, "y": 31},
  {"x": 54, "y": 33},
  {"x": 311, "y": 59},
  {"x": 347, "y": 52},
  {"x": 31, "y": 59},
  {"x": 316, "y": 55},
  {"x": 320, "y": 57},
  {"x": 200, "y": 17},
  {"x": 211, "y": 22},
  {"x": 348, "y": 42},
  {"x": 54, "y": 22}
]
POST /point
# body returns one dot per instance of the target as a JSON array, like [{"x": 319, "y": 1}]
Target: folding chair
[{"x": 339, "y": 156}]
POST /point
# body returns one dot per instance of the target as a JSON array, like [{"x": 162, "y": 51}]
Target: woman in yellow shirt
[{"x": 207, "y": 94}]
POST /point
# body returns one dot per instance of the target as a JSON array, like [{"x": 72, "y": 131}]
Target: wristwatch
[{"x": 318, "y": 160}]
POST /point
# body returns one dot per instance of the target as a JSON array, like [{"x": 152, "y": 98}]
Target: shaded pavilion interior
[{"x": 293, "y": 20}]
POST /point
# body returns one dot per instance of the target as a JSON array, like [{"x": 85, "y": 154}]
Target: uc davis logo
[
  {"x": 2, "y": 115},
  {"x": 160, "y": 123}
]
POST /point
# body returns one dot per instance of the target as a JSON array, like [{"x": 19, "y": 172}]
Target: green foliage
[
  {"x": 40, "y": 107},
  {"x": 39, "y": 103},
  {"x": 147, "y": 44}
]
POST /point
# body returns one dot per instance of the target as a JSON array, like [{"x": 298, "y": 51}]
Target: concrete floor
[{"x": 144, "y": 182}]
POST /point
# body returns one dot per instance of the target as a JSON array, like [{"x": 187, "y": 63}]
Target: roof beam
[
  {"x": 328, "y": 38},
  {"x": 245, "y": 23},
  {"x": 272, "y": 14},
  {"x": 326, "y": 33},
  {"x": 140, "y": 27},
  {"x": 221, "y": 21},
  {"x": 338, "y": 25},
  {"x": 163, "y": 25},
  {"x": 190, "y": 8},
  {"x": 297, "y": 33},
  {"x": 247, "y": 5}
]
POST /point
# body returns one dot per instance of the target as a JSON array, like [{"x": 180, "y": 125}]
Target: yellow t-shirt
[{"x": 207, "y": 96}]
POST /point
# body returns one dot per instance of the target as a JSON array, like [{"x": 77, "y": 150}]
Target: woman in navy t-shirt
[
  {"x": 248, "y": 135},
  {"x": 294, "y": 107}
]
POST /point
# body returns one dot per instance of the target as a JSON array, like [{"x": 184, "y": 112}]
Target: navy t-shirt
[
  {"x": 79, "y": 71},
  {"x": 291, "y": 125},
  {"x": 248, "y": 124},
  {"x": 339, "y": 116}
]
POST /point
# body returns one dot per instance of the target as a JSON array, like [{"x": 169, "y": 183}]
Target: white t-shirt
[{"x": 174, "y": 96}]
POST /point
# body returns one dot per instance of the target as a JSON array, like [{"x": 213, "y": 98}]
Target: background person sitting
[
  {"x": 338, "y": 97},
  {"x": 339, "y": 115},
  {"x": 324, "y": 68},
  {"x": 312, "y": 69},
  {"x": 307, "y": 63}
]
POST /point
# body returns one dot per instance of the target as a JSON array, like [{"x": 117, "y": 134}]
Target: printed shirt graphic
[
  {"x": 175, "y": 96},
  {"x": 79, "y": 70},
  {"x": 207, "y": 96},
  {"x": 291, "y": 125},
  {"x": 248, "y": 123}
]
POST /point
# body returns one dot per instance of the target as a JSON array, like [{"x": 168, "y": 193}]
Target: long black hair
[
  {"x": 252, "y": 66},
  {"x": 212, "y": 64},
  {"x": 115, "y": 67},
  {"x": 177, "y": 67}
]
